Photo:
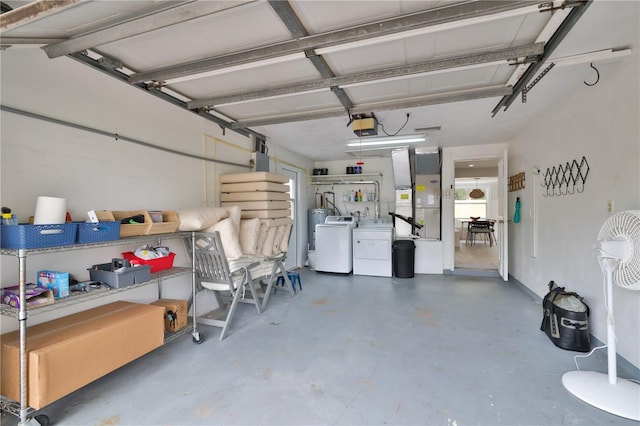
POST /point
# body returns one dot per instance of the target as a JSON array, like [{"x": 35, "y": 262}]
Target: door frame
[
  {"x": 293, "y": 260},
  {"x": 466, "y": 153}
]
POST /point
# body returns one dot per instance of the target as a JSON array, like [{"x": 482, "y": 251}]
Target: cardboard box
[
  {"x": 67, "y": 353},
  {"x": 169, "y": 224},
  {"x": 130, "y": 229},
  {"x": 175, "y": 316},
  {"x": 57, "y": 282},
  {"x": 36, "y": 296}
]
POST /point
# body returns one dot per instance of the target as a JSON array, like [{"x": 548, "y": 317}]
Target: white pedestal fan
[{"x": 619, "y": 256}]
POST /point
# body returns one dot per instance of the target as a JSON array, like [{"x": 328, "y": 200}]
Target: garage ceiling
[{"x": 296, "y": 73}]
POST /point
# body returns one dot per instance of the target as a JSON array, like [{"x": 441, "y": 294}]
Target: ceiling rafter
[
  {"x": 405, "y": 23},
  {"x": 531, "y": 50},
  {"x": 287, "y": 15},
  {"x": 441, "y": 98}
]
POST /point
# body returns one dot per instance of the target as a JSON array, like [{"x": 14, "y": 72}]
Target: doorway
[
  {"x": 496, "y": 157},
  {"x": 476, "y": 209}
]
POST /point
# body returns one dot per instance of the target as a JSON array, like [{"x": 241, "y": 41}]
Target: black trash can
[{"x": 403, "y": 255}]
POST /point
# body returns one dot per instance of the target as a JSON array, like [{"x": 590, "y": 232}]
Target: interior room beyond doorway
[{"x": 476, "y": 202}]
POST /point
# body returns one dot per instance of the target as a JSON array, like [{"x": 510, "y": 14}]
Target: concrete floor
[{"x": 354, "y": 350}]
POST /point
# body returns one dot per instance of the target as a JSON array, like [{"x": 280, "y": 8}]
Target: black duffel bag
[{"x": 565, "y": 319}]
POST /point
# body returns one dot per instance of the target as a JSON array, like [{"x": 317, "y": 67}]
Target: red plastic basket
[{"x": 158, "y": 264}]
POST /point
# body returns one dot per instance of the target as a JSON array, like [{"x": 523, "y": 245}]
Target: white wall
[
  {"x": 371, "y": 165},
  {"x": 97, "y": 172},
  {"x": 600, "y": 123}
]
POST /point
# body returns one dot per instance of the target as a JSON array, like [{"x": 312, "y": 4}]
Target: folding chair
[
  {"x": 277, "y": 270},
  {"x": 213, "y": 274}
]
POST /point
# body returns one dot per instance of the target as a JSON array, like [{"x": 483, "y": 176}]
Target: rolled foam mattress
[
  {"x": 258, "y": 205},
  {"x": 253, "y": 177},
  {"x": 265, "y": 214},
  {"x": 253, "y": 187},
  {"x": 254, "y": 196}
]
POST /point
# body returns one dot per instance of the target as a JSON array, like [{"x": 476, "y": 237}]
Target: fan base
[{"x": 621, "y": 399}]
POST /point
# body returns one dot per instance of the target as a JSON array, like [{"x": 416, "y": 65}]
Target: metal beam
[
  {"x": 456, "y": 12},
  {"x": 186, "y": 11},
  {"x": 158, "y": 93},
  {"x": 551, "y": 45},
  {"x": 442, "y": 98},
  {"x": 26, "y": 14},
  {"x": 287, "y": 15},
  {"x": 289, "y": 18},
  {"x": 434, "y": 65}
]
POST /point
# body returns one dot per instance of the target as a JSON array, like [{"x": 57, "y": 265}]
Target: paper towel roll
[{"x": 50, "y": 210}]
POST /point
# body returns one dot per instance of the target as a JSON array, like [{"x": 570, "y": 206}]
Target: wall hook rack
[{"x": 566, "y": 179}]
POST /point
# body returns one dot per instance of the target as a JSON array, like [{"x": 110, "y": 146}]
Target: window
[{"x": 465, "y": 206}]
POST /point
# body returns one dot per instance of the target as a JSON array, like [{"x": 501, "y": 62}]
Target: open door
[
  {"x": 292, "y": 253},
  {"x": 502, "y": 227}
]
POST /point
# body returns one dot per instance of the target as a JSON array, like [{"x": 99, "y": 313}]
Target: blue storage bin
[
  {"x": 97, "y": 232},
  {"x": 37, "y": 236}
]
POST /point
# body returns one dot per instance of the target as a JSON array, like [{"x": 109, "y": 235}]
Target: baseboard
[
  {"x": 632, "y": 372},
  {"x": 526, "y": 289}
]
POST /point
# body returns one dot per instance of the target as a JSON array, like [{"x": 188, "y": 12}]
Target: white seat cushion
[
  {"x": 229, "y": 238},
  {"x": 199, "y": 218}
]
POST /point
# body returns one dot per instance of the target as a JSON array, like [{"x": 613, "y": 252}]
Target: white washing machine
[
  {"x": 334, "y": 244},
  {"x": 372, "y": 250}
]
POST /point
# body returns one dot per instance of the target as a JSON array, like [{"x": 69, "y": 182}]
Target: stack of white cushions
[{"x": 240, "y": 237}]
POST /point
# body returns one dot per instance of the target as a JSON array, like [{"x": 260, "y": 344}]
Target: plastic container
[
  {"x": 159, "y": 264},
  {"x": 37, "y": 236},
  {"x": 97, "y": 232},
  {"x": 119, "y": 273},
  {"x": 403, "y": 258},
  {"x": 9, "y": 219}
]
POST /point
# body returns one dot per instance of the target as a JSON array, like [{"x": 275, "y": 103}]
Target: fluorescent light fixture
[{"x": 387, "y": 140}]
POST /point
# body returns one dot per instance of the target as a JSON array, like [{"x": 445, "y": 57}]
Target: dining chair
[{"x": 481, "y": 227}]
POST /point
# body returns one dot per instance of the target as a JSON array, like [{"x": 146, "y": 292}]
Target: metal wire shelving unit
[{"x": 20, "y": 408}]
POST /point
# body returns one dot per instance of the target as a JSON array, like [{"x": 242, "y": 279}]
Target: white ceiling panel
[
  {"x": 460, "y": 80},
  {"x": 366, "y": 58},
  {"x": 253, "y": 24},
  {"x": 318, "y": 16},
  {"x": 250, "y": 79},
  {"x": 301, "y": 103},
  {"x": 424, "y": 85},
  {"x": 487, "y": 36}
]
